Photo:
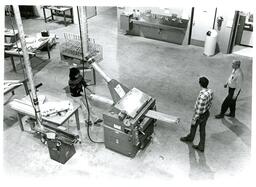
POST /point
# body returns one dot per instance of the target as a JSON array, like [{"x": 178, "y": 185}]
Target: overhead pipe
[{"x": 100, "y": 71}]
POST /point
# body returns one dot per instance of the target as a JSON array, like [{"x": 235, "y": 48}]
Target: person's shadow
[
  {"x": 240, "y": 129},
  {"x": 199, "y": 170}
]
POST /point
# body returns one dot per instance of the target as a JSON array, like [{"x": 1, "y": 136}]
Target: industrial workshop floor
[{"x": 165, "y": 71}]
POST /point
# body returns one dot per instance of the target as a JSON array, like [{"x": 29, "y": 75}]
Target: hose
[{"x": 88, "y": 119}]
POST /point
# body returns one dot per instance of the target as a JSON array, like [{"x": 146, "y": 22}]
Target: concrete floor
[{"x": 165, "y": 71}]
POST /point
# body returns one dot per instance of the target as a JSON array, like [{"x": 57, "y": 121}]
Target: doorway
[
  {"x": 243, "y": 34},
  {"x": 203, "y": 21}
]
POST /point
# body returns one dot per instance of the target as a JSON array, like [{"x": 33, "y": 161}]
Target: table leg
[
  {"x": 71, "y": 14},
  {"x": 45, "y": 20},
  {"x": 25, "y": 84},
  {"x": 13, "y": 64},
  {"x": 64, "y": 14},
  {"x": 77, "y": 119},
  {"x": 20, "y": 121},
  {"x": 52, "y": 14},
  {"x": 94, "y": 76},
  {"x": 48, "y": 50}
]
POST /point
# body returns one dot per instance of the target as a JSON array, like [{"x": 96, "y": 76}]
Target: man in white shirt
[{"x": 234, "y": 84}]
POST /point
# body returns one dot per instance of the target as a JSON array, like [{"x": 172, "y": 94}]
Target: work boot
[
  {"x": 190, "y": 136},
  {"x": 198, "y": 148},
  {"x": 219, "y": 116},
  {"x": 186, "y": 139},
  {"x": 98, "y": 121},
  {"x": 230, "y": 115}
]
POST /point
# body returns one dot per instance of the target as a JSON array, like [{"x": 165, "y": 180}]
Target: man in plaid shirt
[{"x": 200, "y": 117}]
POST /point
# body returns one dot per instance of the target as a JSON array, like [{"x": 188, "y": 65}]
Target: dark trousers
[
  {"x": 229, "y": 103},
  {"x": 201, "y": 122}
]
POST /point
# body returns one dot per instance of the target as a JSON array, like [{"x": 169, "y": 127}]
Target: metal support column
[
  {"x": 191, "y": 25},
  {"x": 28, "y": 66},
  {"x": 83, "y": 30}
]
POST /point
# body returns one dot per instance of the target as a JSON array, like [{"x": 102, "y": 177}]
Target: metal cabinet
[{"x": 125, "y": 23}]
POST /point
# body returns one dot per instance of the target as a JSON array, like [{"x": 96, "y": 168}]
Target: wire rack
[{"x": 72, "y": 47}]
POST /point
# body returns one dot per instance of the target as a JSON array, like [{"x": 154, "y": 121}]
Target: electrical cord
[
  {"x": 90, "y": 90},
  {"x": 86, "y": 100}
]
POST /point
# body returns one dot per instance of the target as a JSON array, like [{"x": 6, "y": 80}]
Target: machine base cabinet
[{"x": 121, "y": 142}]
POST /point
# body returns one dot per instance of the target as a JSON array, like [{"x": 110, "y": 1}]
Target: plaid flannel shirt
[{"x": 203, "y": 103}]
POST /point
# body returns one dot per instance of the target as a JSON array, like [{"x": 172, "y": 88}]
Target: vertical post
[
  {"x": 191, "y": 25},
  {"x": 215, "y": 16},
  {"x": 83, "y": 30},
  {"x": 71, "y": 14},
  {"x": 52, "y": 13},
  {"x": 64, "y": 15},
  {"x": 13, "y": 63},
  {"x": 232, "y": 36},
  {"x": 27, "y": 65},
  {"x": 45, "y": 19}
]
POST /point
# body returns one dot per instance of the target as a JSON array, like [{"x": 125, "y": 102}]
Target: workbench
[
  {"x": 23, "y": 108},
  {"x": 33, "y": 44},
  {"x": 173, "y": 32},
  {"x": 59, "y": 11},
  {"x": 157, "y": 31},
  {"x": 13, "y": 84}
]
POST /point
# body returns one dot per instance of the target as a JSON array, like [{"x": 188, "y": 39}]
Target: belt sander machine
[{"x": 129, "y": 124}]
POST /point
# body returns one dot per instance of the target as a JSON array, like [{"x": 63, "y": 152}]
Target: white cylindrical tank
[{"x": 210, "y": 43}]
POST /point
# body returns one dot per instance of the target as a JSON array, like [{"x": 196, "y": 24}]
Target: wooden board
[{"x": 162, "y": 117}]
